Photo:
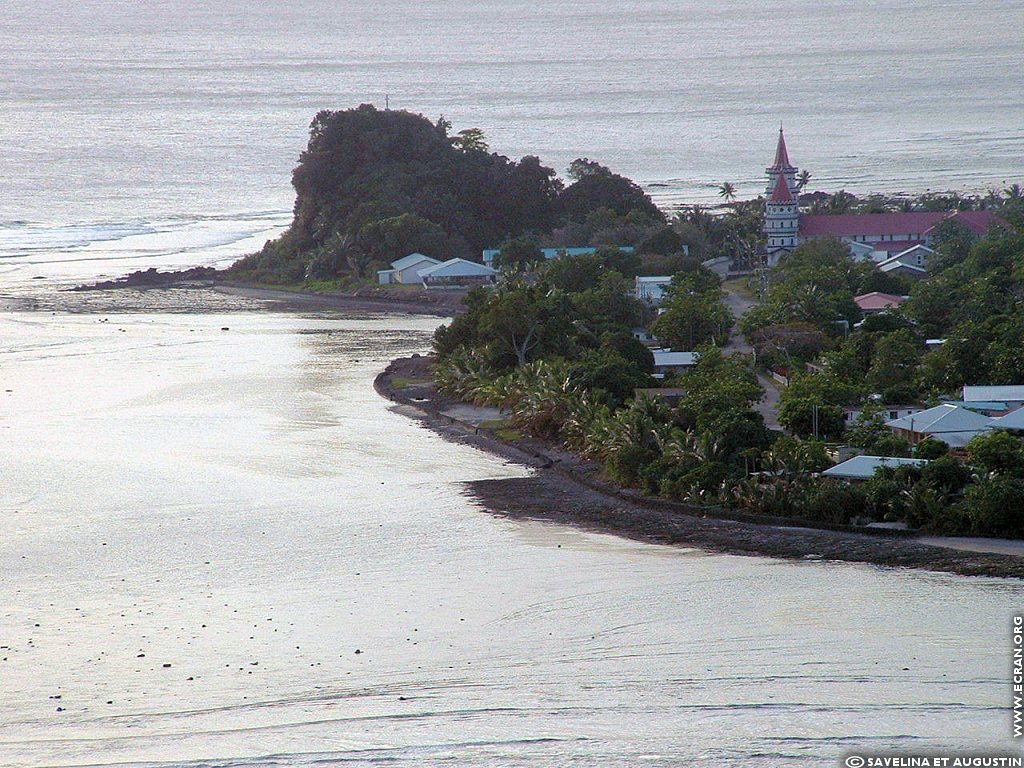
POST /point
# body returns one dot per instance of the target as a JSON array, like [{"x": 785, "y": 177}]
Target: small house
[
  {"x": 1013, "y": 421},
  {"x": 876, "y": 301},
  {"x": 490, "y": 254},
  {"x": 861, "y": 468},
  {"x": 406, "y": 270},
  {"x": 666, "y": 362},
  {"x": 853, "y": 413},
  {"x": 951, "y": 423},
  {"x": 1012, "y": 395},
  {"x": 651, "y": 290},
  {"x": 458, "y": 273}
]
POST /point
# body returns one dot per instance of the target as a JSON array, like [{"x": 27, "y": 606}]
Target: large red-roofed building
[{"x": 786, "y": 227}]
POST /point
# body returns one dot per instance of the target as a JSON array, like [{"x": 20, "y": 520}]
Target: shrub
[{"x": 996, "y": 507}]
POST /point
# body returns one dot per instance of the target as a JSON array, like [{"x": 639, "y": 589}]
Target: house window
[{"x": 893, "y": 414}]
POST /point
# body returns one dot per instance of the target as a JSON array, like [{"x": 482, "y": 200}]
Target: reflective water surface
[{"x": 220, "y": 548}]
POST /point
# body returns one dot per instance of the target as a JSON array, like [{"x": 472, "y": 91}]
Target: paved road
[{"x": 768, "y": 407}]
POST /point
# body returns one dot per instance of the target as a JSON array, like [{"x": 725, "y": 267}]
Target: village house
[
  {"x": 1013, "y": 421},
  {"x": 853, "y": 413},
  {"x": 874, "y": 302},
  {"x": 949, "y": 423},
  {"x": 1011, "y": 394},
  {"x": 860, "y": 468},
  {"x": 894, "y": 234},
  {"x": 458, "y": 273},
  {"x": 651, "y": 290},
  {"x": 406, "y": 270},
  {"x": 490, "y": 254},
  {"x": 667, "y": 362}
]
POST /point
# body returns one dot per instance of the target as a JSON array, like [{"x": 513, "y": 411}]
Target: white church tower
[{"x": 782, "y": 209}]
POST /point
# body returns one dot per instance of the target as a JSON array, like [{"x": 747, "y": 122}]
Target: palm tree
[
  {"x": 727, "y": 191},
  {"x": 1014, "y": 192},
  {"x": 803, "y": 179}
]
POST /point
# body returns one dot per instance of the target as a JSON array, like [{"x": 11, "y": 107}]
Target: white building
[
  {"x": 666, "y": 361},
  {"x": 853, "y": 413},
  {"x": 865, "y": 467},
  {"x": 1012, "y": 394},
  {"x": 490, "y": 254},
  {"x": 651, "y": 290},
  {"x": 458, "y": 273},
  {"x": 407, "y": 270}
]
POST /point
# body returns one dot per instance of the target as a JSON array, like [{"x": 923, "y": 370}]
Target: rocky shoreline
[
  {"x": 364, "y": 299},
  {"x": 564, "y": 489}
]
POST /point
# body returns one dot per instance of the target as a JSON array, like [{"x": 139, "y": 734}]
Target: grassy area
[
  {"x": 501, "y": 430},
  {"x": 743, "y": 286},
  {"x": 401, "y": 382},
  {"x": 402, "y": 287}
]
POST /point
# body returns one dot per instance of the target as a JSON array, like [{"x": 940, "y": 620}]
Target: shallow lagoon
[{"x": 239, "y": 504}]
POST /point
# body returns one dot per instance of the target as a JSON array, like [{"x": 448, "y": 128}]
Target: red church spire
[
  {"x": 781, "y": 155},
  {"x": 781, "y": 193}
]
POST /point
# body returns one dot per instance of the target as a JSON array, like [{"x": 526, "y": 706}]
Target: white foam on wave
[
  {"x": 79, "y": 250},
  {"x": 22, "y": 237}
]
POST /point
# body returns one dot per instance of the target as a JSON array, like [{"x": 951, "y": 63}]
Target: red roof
[
  {"x": 979, "y": 222},
  {"x": 781, "y": 155},
  {"x": 877, "y": 301},
  {"x": 781, "y": 193},
  {"x": 895, "y": 246},
  {"x": 888, "y": 224}
]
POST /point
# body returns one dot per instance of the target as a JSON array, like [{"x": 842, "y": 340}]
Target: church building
[{"x": 881, "y": 237}]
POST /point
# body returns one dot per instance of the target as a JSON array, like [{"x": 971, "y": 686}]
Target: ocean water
[
  {"x": 164, "y": 133},
  {"x": 207, "y": 510},
  {"x": 221, "y": 549}
]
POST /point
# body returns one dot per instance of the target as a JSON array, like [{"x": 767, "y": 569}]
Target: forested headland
[{"x": 375, "y": 185}]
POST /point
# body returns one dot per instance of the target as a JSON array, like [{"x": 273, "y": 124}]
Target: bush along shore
[{"x": 568, "y": 489}]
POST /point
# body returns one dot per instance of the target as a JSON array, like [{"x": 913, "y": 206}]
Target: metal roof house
[
  {"x": 458, "y": 273},
  {"x": 894, "y": 266},
  {"x": 952, "y": 424},
  {"x": 666, "y": 361},
  {"x": 406, "y": 269},
  {"x": 876, "y": 301},
  {"x": 553, "y": 253},
  {"x": 1013, "y": 421},
  {"x": 1012, "y": 394},
  {"x": 865, "y": 467}
]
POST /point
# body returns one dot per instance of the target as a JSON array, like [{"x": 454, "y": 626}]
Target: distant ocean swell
[{"x": 208, "y": 238}]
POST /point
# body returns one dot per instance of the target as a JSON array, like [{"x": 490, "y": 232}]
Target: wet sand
[{"x": 565, "y": 489}]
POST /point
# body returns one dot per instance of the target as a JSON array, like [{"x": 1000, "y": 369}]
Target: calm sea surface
[
  {"x": 206, "y": 515},
  {"x": 165, "y": 132},
  {"x": 220, "y": 548}
]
